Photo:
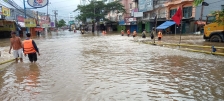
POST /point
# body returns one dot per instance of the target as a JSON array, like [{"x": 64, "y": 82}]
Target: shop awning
[{"x": 166, "y": 25}]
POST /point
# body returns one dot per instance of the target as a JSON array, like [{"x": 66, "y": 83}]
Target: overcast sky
[{"x": 64, "y": 7}]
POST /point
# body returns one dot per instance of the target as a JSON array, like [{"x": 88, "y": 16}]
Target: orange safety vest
[
  {"x": 160, "y": 34},
  {"x": 128, "y": 31},
  {"x": 28, "y": 46}
]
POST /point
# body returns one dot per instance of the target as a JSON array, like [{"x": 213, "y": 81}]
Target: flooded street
[{"x": 76, "y": 67}]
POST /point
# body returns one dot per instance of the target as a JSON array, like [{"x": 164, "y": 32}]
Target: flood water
[{"x": 76, "y": 67}]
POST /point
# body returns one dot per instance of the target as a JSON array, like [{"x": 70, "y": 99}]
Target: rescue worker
[
  {"x": 160, "y": 35},
  {"x": 30, "y": 48},
  {"x": 128, "y": 32},
  {"x": 122, "y": 32}
]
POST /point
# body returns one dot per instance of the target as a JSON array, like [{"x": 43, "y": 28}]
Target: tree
[
  {"x": 97, "y": 10},
  {"x": 197, "y": 2},
  {"x": 61, "y": 23},
  {"x": 219, "y": 18}
]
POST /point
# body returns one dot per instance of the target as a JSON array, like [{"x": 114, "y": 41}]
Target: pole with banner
[{"x": 177, "y": 18}]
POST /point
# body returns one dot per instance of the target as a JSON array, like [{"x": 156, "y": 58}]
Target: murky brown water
[{"x": 75, "y": 67}]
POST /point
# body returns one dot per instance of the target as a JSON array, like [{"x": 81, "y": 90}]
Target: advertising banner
[
  {"x": 37, "y": 3},
  {"x": 145, "y": 5},
  {"x": 127, "y": 20},
  {"x": 138, "y": 14},
  {"x": 5, "y": 11},
  {"x": 30, "y": 22},
  {"x": 20, "y": 18},
  {"x": 52, "y": 24},
  {"x": 38, "y": 29}
]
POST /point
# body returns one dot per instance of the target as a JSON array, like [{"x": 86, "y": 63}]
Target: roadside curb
[
  {"x": 185, "y": 49},
  {"x": 5, "y": 62}
]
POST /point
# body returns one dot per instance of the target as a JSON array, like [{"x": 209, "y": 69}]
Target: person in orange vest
[
  {"x": 122, "y": 32},
  {"x": 160, "y": 35},
  {"x": 128, "y": 32},
  {"x": 30, "y": 48},
  {"x": 104, "y": 32},
  {"x": 134, "y": 33}
]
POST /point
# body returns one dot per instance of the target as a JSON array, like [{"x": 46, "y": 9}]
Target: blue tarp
[{"x": 166, "y": 24}]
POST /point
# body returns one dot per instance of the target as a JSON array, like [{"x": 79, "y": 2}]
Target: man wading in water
[{"x": 17, "y": 46}]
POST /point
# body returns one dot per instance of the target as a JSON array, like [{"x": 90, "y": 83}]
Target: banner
[
  {"x": 20, "y": 18},
  {"x": 37, "y": 3},
  {"x": 5, "y": 11},
  {"x": 30, "y": 22},
  {"x": 0, "y": 10}
]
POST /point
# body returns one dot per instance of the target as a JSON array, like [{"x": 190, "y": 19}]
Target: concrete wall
[{"x": 214, "y": 5}]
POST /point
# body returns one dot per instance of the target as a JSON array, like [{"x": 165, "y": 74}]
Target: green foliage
[
  {"x": 97, "y": 10},
  {"x": 219, "y": 17},
  {"x": 197, "y": 2},
  {"x": 61, "y": 23}
]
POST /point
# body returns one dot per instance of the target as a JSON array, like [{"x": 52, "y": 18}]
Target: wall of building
[{"x": 214, "y": 5}]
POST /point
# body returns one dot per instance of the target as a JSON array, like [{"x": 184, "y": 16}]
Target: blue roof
[{"x": 165, "y": 25}]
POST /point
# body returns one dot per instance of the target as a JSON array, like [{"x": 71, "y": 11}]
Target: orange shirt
[
  {"x": 128, "y": 31},
  {"x": 160, "y": 34},
  {"x": 16, "y": 43}
]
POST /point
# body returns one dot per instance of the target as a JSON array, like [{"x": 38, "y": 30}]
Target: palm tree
[{"x": 197, "y": 2}]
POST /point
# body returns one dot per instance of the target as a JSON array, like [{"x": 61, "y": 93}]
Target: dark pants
[{"x": 32, "y": 57}]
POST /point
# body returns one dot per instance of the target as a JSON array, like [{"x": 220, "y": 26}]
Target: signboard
[
  {"x": 52, "y": 24},
  {"x": 30, "y": 22},
  {"x": 45, "y": 25},
  {"x": 37, "y": 3},
  {"x": 145, "y": 5},
  {"x": 71, "y": 22},
  {"x": 22, "y": 24},
  {"x": 130, "y": 20},
  {"x": 20, "y": 18},
  {"x": 38, "y": 29},
  {"x": 138, "y": 14},
  {"x": 7, "y": 25},
  {"x": 5, "y": 11}
]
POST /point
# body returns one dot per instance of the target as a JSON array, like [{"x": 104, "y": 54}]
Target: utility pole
[{"x": 55, "y": 15}]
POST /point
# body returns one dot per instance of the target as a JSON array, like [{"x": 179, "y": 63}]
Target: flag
[{"x": 177, "y": 16}]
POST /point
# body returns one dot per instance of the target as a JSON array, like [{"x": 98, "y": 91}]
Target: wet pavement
[{"x": 76, "y": 67}]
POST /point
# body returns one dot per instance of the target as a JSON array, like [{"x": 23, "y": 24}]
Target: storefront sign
[
  {"x": 7, "y": 25},
  {"x": 20, "y": 18},
  {"x": 130, "y": 20},
  {"x": 39, "y": 29},
  {"x": 52, "y": 24},
  {"x": 30, "y": 22},
  {"x": 138, "y": 14},
  {"x": 37, "y": 3},
  {"x": 5, "y": 11}
]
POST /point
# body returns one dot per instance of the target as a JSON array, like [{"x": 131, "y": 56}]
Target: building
[{"x": 188, "y": 20}]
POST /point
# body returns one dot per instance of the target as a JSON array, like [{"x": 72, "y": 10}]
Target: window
[
  {"x": 187, "y": 12},
  {"x": 172, "y": 12},
  {"x": 222, "y": 7},
  {"x": 210, "y": 19},
  {"x": 130, "y": 5}
]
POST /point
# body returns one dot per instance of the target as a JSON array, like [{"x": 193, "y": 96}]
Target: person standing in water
[
  {"x": 17, "y": 46},
  {"x": 122, "y": 32},
  {"x": 30, "y": 48},
  {"x": 128, "y": 32}
]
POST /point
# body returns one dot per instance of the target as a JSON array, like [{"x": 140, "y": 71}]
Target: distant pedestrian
[
  {"x": 134, "y": 33},
  {"x": 160, "y": 35},
  {"x": 17, "y": 46},
  {"x": 30, "y": 48},
  {"x": 128, "y": 32},
  {"x": 144, "y": 34},
  {"x": 122, "y": 32},
  {"x": 152, "y": 34}
]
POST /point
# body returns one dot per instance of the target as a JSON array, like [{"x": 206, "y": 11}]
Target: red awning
[{"x": 200, "y": 22}]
